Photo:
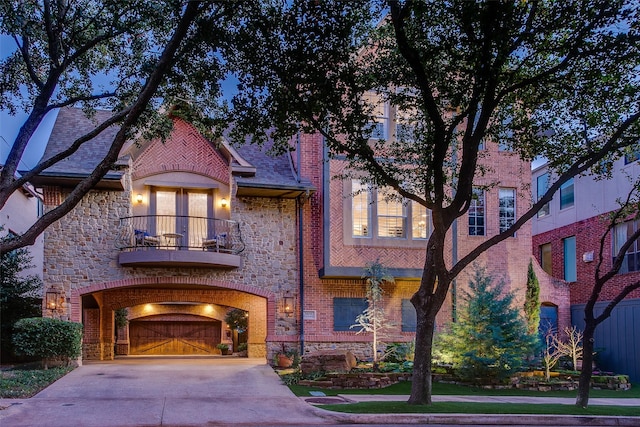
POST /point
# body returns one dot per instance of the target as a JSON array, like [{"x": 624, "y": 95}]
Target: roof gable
[{"x": 186, "y": 150}]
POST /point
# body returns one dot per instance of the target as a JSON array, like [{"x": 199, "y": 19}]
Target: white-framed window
[
  {"x": 476, "y": 213},
  {"x": 184, "y": 213},
  {"x": 507, "y": 204},
  {"x": 420, "y": 221},
  {"x": 360, "y": 209},
  {"x": 379, "y": 126},
  {"x": 375, "y": 215},
  {"x": 392, "y": 217},
  {"x": 405, "y": 126}
]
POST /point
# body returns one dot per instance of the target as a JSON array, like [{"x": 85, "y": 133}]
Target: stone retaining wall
[{"x": 364, "y": 380}]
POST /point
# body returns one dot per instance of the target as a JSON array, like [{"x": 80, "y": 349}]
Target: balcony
[{"x": 179, "y": 241}]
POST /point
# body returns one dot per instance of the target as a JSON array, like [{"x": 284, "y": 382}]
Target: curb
[{"x": 480, "y": 419}]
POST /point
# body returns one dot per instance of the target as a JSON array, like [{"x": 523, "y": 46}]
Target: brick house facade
[
  {"x": 184, "y": 230},
  {"x": 566, "y": 242},
  {"x": 339, "y": 257}
]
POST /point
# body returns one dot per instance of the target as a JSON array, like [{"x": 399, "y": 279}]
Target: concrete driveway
[{"x": 165, "y": 391}]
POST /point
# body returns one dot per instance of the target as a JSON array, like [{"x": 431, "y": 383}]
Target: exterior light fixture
[
  {"x": 223, "y": 202},
  {"x": 288, "y": 306},
  {"x": 53, "y": 300},
  {"x": 139, "y": 198}
]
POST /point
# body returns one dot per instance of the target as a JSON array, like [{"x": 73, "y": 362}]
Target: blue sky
[{"x": 10, "y": 125}]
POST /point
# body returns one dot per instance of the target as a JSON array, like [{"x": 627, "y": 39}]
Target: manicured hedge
[{"x": 49, "y": 339}]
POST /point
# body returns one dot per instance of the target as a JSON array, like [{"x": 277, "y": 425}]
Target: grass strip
[
  {"x": 19, "y": 383},
  {"x": 404, "y": 387},
  {"x": 480, "y": 408}
]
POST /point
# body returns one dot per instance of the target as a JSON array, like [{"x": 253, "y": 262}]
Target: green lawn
[
  {"x": 479, "y": 408},
  {"x": 455, "y": 389},
  {"x": 20, "y": 383}
]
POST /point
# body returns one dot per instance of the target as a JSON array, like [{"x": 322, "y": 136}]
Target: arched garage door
[{"x": 153, "y": 337}]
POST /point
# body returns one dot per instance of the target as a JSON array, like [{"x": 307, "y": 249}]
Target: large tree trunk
[
  {"x": 421, "y": 379},
  {"x": 584, "y": 383}
]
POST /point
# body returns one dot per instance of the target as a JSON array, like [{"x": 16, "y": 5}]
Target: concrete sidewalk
[{"x": 494, "y": 399}]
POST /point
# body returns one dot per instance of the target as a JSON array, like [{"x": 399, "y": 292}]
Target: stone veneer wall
[{"x": 81, "y": 250}]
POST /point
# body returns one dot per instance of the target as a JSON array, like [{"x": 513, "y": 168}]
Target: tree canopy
[
  {"x": 135, "y": 58},
  {"x": 544, "y": 78},
  {"x": 551, "y": 79}
]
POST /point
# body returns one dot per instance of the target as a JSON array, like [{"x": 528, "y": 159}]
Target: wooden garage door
[{"x": 154, "y": 337}]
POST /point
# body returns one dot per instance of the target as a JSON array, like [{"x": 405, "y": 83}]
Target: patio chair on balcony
[
  {"x": 217, "y": 243},
  {"x": 143, "y": 238}
]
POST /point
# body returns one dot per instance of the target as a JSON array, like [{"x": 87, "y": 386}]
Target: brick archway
[{"x": 110, "y": 296}]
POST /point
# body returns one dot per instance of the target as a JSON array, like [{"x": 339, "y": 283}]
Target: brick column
[
  {"x": 122, "y": 343},
  {"x": 91, "y": 346},
  {"x": 107, "y": 337}
]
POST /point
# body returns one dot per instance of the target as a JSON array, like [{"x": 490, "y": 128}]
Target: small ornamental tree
[
  {"x": 373, "y": 319},
  {"x": 490, "y": 339},
  {"x": 237, "y": 320},
  {"x": 552, "y": 352},
  {"x": 532, "y": 301},
  {"x": 18, "y": 295},
  {"x": 572, "y": 346},
  {"x": 48, "y": 339}
]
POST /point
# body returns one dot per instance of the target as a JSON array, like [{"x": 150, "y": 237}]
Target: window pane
[
  {"x": 507, "y": 208},
  {"x": 548, "y": 320},
  {"x": 545, "y": 258},
  {"x": 360, "y": 209},
  {"x": 632, "y": 156},
  {"x": 405, "y": 124},
  {"x": 345, "y": 311},
  {"x": 632, "y": 258},
  {"x": 476, "y": 213},
  {"x": 378, "y": 127},
  {"x": 409, "y": 317},
  {"x": 166, "y": 211},
  {"x": 198, "y": 212},
  {"x": 566, "y": 194},
  {"x": 569, "y": 245},
  {"x": 420, "y": 221},
  {"x": 391, "y": 216},
  {"x": 542, "y": 187}
]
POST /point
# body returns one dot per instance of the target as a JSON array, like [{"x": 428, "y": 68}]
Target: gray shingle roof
[
  {"x": 70, "y": 124},
  {"x": 271, "y": 171}
]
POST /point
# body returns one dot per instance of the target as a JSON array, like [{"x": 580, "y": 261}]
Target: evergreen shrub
[{"x": 48, "y": 339}]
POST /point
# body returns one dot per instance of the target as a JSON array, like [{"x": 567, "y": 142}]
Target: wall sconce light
[
  {"x": 288, "y": 306},
  {"x": 223, "y": 202},
  {"x": 53, "y": 299},
  {"x": 139, "y": 198}
]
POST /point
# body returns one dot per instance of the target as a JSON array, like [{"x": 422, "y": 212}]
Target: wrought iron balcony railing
[{"x": 175, "y": 232}]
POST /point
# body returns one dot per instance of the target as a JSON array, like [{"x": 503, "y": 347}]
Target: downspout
[
  {"x": 299, "y": 204},
  {"x": 454, "y": 259},
  {"x": 454, "y": 246}
]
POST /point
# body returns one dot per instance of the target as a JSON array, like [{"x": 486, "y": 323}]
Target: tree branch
[{"x": 157, "y": 75}]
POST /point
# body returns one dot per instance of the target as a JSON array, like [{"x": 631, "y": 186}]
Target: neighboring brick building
[
  {"x": 185, "y": 230},
  {"x": 566, "y": 241}
]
